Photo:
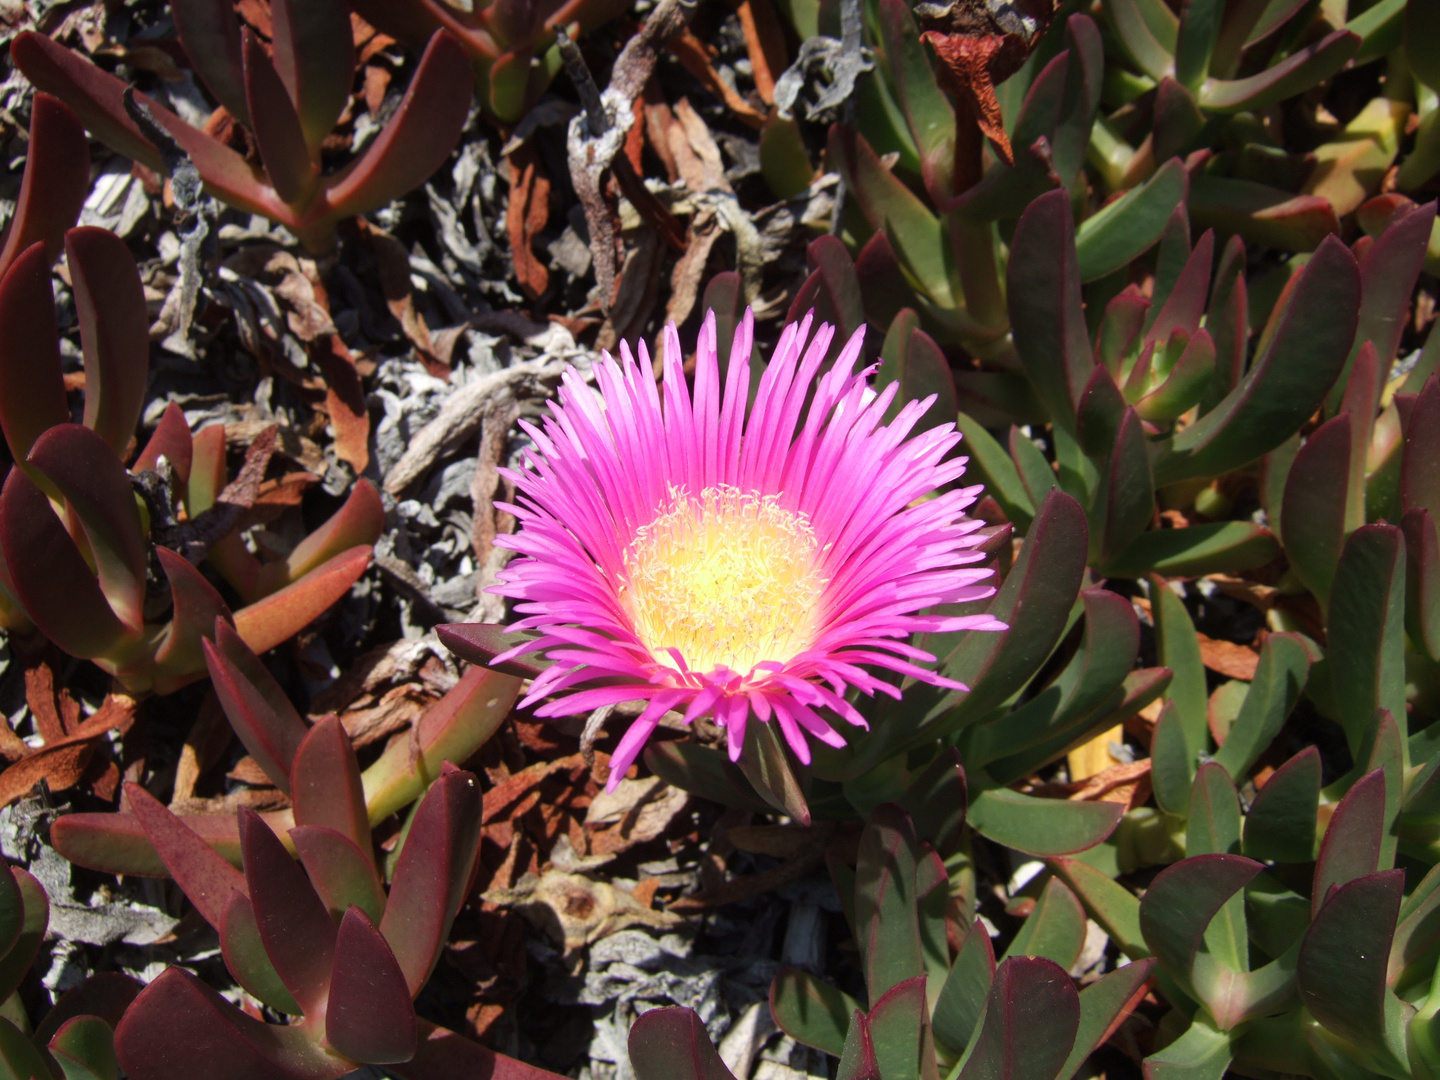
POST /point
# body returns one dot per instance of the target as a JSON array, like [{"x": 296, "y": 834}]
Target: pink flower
[{"x": 699, "y": 557}]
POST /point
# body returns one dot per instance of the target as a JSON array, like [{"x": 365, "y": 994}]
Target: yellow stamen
[{"x": 730, "y": 579}]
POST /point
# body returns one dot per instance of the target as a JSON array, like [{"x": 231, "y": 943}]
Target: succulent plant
[
  {"x": 502, "y": 38},
  {"x": 75, "y": 1038},
  {"x": 83, "y": 579},
  {"x": 54, "y": 185},
  {"x": 289, "y": 97}
]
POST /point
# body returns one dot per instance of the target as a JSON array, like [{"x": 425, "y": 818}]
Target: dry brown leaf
[
  {"x": 345, "y": 403},
  {"x": 526, "y": 216},
  {"x": 1228, "y": 658},
  {"x": 575, "y": 911}
]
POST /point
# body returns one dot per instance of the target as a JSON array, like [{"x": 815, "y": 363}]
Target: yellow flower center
[{"x": 729, "y": 578}]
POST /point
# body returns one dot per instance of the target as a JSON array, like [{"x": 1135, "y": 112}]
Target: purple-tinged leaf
[
  {"x": 244, "y": 953},
  {"x": 106, "y": 994},
  {"x": 196, "y": 607},
  {"x": 1422, "y": 580},
  {"x": 12, "y": 909},
  {"x": 1046, "y": 310},
  {"x": 97, "y": 490},
  {"x": 831, "y": 291},
  {"x": 294, "y": 925},
  {"x": 280, "y": 616},
  {"x": 55, "y": 182},
  {"x": 480, "y": 643},
  {"x": 911, "y": 358},
  {"x": 369, "y": 1017},
  {"x": 1263, "y": 215},
  {"x": 1298, "y": 72},
  {"x": 935, "y": 799},
  {"x": 899, "y": 1029},
  {"x": 1416, "y": 945},
  {"x": 84, "y": 1048},
  {"x": 32, "y": 392},
  {"x": 1054, "y": 929},
  {"x": 1104, "y": 1006},
  {"x": 1314, "y": 508},
  {"x": 1388, "y": 753},
  {"x": 172, "y": 441},
  {"x": 432, "y": 873},
  {"x": 1042, "y": 827},
  {"x": 1178, "y": 120},
  {"x": 1388, "y": 272},
  {"x": 882, "y": 283},
  {"x": 1366, "y": 621},
  {"x": 342, "y": 874},
  {"x": 34, "y": 912},
  {"x": 1031, "y": 1018},
  {"x": 962, "y": 999},
  {"x": 49, "y": 576},
  {"x": 1184, "y": 307},
  {"x": 1282, "y": 820},
  {"x": 1125, "y": 500},
  {"x": 208, "y": 474},
  {"x": 672, "y": 1044},
  {"x": 1181, "y": 902},
  {"x": 810, "y": 1011},
  {"x": 210, "y": 32},
  {"x": 114, "y": 332},
  {"x": 255, "y": 704},
  {"x": 857, "y": 1059},
  {"x": 1287, "y": 381},
  {"x": 1108, "y": 902},
  {"x": 703, "y": 771},
  {"x": 1120, "y": 329},
  {"x": 1420, "y": 466},
  {"x": 325, "y": 783},
  {"x": 315, "y": 59},
  {"x": 1172, "y": 764},
  {"x": 117, "y": 843},
  {"x": 200, "y": 871},
  {"x": 1342, "y": 964},
  {"x": 1102, "y": 411},
  {"x": 886, "y": 917},
  {"x": 283, "y": 149},
  {"x": 928, "y": 112},
  {"x": 178, "y": 1021},
  {"x": 1228, "y": 321},
  {"x": 420, "y": 135},
  {"x": 1121, "y": 231},
  {"x": 359, "y": 522},
  {"x": 1351, "y": 848},
  {"x": 443, "y": 1055}
]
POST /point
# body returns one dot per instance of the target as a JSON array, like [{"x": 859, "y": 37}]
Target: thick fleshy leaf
[
  {"x": 1367, "y": 632},
  {"x": 1178, "y": 649},
  {"x": 899, "y": 1030},
  {"x": 936, "y": 799},
  {"x": 443, "y": 1055},
  {"x": 432, "y": 873},
  {"x": 97, "y": 490},
  {"x": 1422, "y": 580},
  {"x": 1281, "y": 824},
  {"x": 200, "y": 871},
  {"x": 703, "y": 771},
  {"x": 1137, "y": 37},
  {"x": 12, "y": 909},
  {"x": 1279, "y": 678},
  {"x": 55, "y": 182},
  {"x": 19, "y": 1059},
  {"x": 1288, "y": 379},
  {"x": 32, "y": 392},
  {"x": 1042, "y": 827},
  {"x": 1054, "y": 929},
  {"x": 1315, "y": 505},
  {"x": 928, "y": 112},
  {"x": 1341, "y": 970},
  {"x": 315, "y": 58},
  {"x": 1297, "y": 73},
  {"x": 912, "y": 359},
  {"x": 243, "y": 950},
  {"x": 1125, "y": 501},
  {"x": 1416, "y": 945},
  {"x": 857, "y": 1060},
  {"x": 671, "y": 1044},
  {"x": 1104, "y": 1006},
  {"x": 962, "y": 999},
  {"x": 106, "y": 995},
  {"x": 885, "y": 901},
  {"x": 831, "y": 290},
  {"x": 49, "y": 576},
  {"x": 369, "y": 1017},
  {"x": 1031, "y": 1016},
  {"x": 294, "y": 925},
  {"x": 84, "y": 1048},
  {"x": 1388, "y": 272},
  {"x": 1200, "y": 1053},
  {"x": 1420, "y": 468},
  {"x": 1352, "y": 844},
  {"x": 1214, "y": 547},
  {"x": 341, "y": 873},
  {"x": 280, "y": 616},
  {"x": 114, "y": 332},
  {"x": 196, "y": 609},
  {"x": 34, "y": 921},
  {"x": 1180, "y": 903},
  {"x": 811, "y": 1011},
  {"x": 766, "y": 762},
  {"x": 1263, "y": 215},
  {"x": 1109, "y": 903},
  {"x": 172, "y": 441},
  {"x": 276, "y": 127},
  {"x": 255, "y": 705},
  {"x": 357, "y": 523},
  {"x": 1047, "y": 314},
  {"x": 420, "y": 135},
  {"x": 211, "y": 35},
  {"x": 479, "y": 643},
  {"x": 1122, "y": 231},
  {"x": 1172, "y": 764},
  {"x": 178, "y": 1021},
  {"x": 325, "y": 783}
]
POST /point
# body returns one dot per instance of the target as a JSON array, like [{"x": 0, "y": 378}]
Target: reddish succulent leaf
[
  {"x": 277, "y": 131},
  {"x": 94, "y": 95},
  {"x": 443, "y": 1055},
  {"x": 178, "y": 1021},
  {"x": 49, "y": 576},
  {"x": 672, "y": 1044},
  {"x": 1420, "y": 467},
  {"x": 912, "y": 359},
  {"x": 106, "y": 994},
  {"x": 1422, "y": 580},
  {"x": 1031, "y": 1016},
  {"x": 1263, "y": 215},
  {"x": 359, "y": 522},
  {"x": 1314, "y": 505},
  {"x": 32, "y": 393},
  {"x": 857, "y": 1059},
  {"x": 369, "y": 1016},
  {"x": 325, "y": 783},
  {"x": 480, "y": 643},
  {"x": 899, "y": 1028},
  {"x": 114, "y": 332},
  {"x": 882, "y": 283},
  {"x": 97, "y": 489},
  {"x": 1182, "y": 900},
  {"x": 243, "y": 950},
  {"x": 1351, "y": 848},
  {"x": 18, "y": 1055},
  {"x": 210, "y": 33},
  {"x": 419, "y": 136},
  {"x": 257, "y": 708},
  {"x": 886, "y": 902},
  {"x": 1388, "y": 272},
  {"x": 832, "y": 290},
  {"x": 294, "y": 925},
  {"x": 171, "y": 440},
  {"x": 341, "y": 873},
  {"x": 1125, "y": 500},
  {"x": 12, "y": 909},
  {"x": 315, "y": 59},
  {"x": 202, "y": 872},
  {"x": 207, "y": 469},
  {"x": 1366, "y": 622},
  {"x": 280, "y": 616},
  {"x": 1185, "y": 305},
  {"x": 35, "y": 919},
  {"x": 196, "y": 607},
  {"x": 432, "y": 873},
  {"x": 118, "y": 844},
  {"x": 55, "y": 183}
]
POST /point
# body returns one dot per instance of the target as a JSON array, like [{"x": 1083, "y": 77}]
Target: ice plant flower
[{"x": 701, "y": 556}]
